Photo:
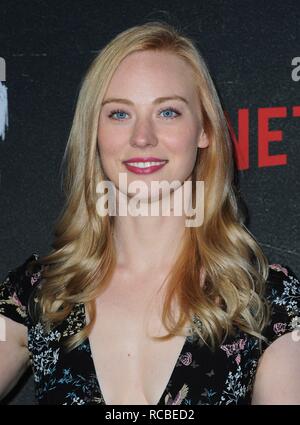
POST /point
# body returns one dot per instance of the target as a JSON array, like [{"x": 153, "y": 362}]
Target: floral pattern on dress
[{"x": 200, "y": 376}]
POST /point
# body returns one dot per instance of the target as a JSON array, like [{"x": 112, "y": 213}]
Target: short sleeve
[
  {"x": 283, "y": 294},
  {"x": 17, "y": 287}
]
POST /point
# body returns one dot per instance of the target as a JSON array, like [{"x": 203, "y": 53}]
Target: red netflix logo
[{"x": 265, "y": 136}]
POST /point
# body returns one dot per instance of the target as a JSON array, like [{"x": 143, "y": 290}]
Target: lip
[
  {"x": 144, "y": 159},
  {"x": 148, "y": 170}
]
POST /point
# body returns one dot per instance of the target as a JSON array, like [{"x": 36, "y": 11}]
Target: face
[{"x": 142, "y": 124}]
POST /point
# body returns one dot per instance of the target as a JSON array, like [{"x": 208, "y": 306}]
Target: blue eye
[
  {"x": 118, "y": 111},
  {"x": 121, "y": 114},
  {"x": 172, "y": 110}
]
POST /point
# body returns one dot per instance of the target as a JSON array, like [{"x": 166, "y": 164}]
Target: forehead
[{"x": 161, "y": 70}]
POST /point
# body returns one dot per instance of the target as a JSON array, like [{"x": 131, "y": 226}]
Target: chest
[{"x": 132, "y": 367}]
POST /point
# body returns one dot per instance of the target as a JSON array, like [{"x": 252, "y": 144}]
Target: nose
[{"x": 143, "y": 134}]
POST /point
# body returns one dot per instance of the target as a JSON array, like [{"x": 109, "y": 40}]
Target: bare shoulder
[
  {"x": 277, "y": 376},
  {"x": 14, "y": 354},
  {"x": 13, "y": 332}
]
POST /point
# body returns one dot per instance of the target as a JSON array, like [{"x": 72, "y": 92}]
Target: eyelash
[{"x": 161, "y": 110}]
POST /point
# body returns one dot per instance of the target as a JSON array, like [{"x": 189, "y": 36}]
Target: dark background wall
[{"x": 48, "y": 45}]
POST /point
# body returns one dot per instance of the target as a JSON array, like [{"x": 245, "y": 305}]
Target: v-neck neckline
[{"x": 98, "y": 378}]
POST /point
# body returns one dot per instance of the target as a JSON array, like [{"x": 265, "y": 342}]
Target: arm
[
  {"x": 277, "y": 379},
  {"x": 14, "y": 355}
]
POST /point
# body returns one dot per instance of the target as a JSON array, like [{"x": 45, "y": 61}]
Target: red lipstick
[{"x": 144, "y": 165}]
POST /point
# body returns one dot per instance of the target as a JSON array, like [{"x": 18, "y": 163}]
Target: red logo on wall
[{"x": 265, "y": 136}]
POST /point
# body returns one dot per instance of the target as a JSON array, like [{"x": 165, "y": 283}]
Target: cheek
[
  {"x": 108, "y": 140},
  {"x": 108, "y": 143},
  {"x": 183, "y": 146}
]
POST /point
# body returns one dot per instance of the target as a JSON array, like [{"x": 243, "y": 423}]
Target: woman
[{"x": 131, "y": 309}]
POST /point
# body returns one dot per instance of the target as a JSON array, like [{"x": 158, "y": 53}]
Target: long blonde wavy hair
[{"x": 83, "y": 258}]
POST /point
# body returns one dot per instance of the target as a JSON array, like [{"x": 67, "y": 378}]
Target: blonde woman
[{"x": 145, "y": 309}]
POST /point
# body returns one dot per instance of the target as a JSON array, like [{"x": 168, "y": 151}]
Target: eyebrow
[{"x": 155, "y": 101}]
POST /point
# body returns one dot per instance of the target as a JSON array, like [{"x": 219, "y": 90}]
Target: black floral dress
[{"x": 200, "y": 376}]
